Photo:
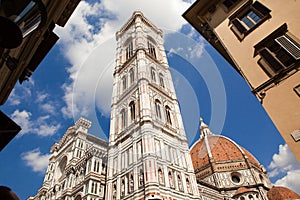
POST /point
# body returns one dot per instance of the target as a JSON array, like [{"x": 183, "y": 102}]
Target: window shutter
[
  {"x": 236, "y": 22},
  {"x": 263, "y": 10},
  {"x": 273, "y": 62},
  {"x": 290, "y": 46}
]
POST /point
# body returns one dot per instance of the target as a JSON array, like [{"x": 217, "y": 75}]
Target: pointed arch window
[
  {"x": 171, "y": 181},
  {"x": 161, "y": 176},
  {"x": 157, "y": 108},
  {"x": 131, "y": 183},
  {"x": 132, "y": 110},
  {"x": 129, "y": 50},
  {"x": 131, "y": 76},
  {"x": 141, "y": 177},
  {"x": 123, "y": 187},
  {"x": 161, "y": 80},
  {"x": 151, "y": 49},
  {"x": 153, "y": 74},
  {"x": 103, "y": 169},
  {"x": 123, "y": 119},
  {"x": 188, "y": 185},
  {"x": 168, "y": 115},
  {"x": 180, "y": 187}
]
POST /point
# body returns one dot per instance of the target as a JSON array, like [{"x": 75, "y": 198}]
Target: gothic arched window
[
  {"x": 141, "y": 177},
  {"x": 153, "y": 74},
  {"x": 171, "y": 181},
  {"x": 123, "y": 187},
  {"x": 103, "y": 169},
  {"x": 129, "y": 50},
  {"x": 132, "y": 110},
  {"x": 151, "y": 47},
  {"x": 131, "y": 76},
  {"x": 161, "y": 176},
  {"x": 131, "y": 183},
  {"x": 179, "y": 182},
  {"x": 60, "y": 171},
  {"x": 123, "y": 119},
  {"x": 168, "y": 114},
  {"x": 161, "y": 80},
  {"x": 188, "y": 185},
  {"x": 157, "y": 108}
]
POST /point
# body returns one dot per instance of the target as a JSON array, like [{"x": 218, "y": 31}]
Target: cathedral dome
[
  {"x": 220, "y": 153},
  {"x": 221, "y": 150},
  {"x": 281, "y": 193}
]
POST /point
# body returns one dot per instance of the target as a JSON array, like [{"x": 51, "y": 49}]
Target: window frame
[
  {"x": 161, "y": 178},
  {"x": 239, "y": 27},
  {"x": 158, "y": 108},
  {"x": 161, "y": 80},
  {"x": 153, "y": 74},
  {"x": 131, "y": 76},
  {"x": 271, "y": 50},
  {"x": 123, "y": 119},
  {"x": 151, "y": 49},
  {"x": 129, "y": 50},
  {"x": 132, "y": 111},
  {"x": 168, "y": 115}
]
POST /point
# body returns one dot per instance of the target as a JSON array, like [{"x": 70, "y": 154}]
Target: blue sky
[{"x": 75, "y": 79}]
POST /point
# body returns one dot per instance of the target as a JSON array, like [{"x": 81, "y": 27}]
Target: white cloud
[
  {"x": 36, "y": 160},
  {"x": 40, "y": 126},
  {"x": 22, "y": 118},
  {"x": 284, "y": 164},
  {"x": 14, "y": 99},
  {"x": 90, "y": 32},
  {"x": 41, "y": 97},
  {"x": 48, "y": 107},
  {"x": 195, "y": 52},
  {"x": 21, "y": 93},
  {"x": 173, "y": 51}
]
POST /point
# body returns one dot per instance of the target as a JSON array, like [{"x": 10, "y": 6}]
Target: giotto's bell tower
[{"x": 148, "y": 155}]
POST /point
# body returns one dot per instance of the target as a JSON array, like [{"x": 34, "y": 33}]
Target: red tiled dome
[
  {"x": 281, "y": 193},
  {"x": 222, "y": 150}
]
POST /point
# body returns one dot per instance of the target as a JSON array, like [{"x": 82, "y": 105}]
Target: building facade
[
  {"x": 260, "y": 39},
  {"x": 77, "y": 166}
]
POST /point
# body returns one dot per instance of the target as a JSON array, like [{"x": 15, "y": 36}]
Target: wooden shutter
[
  {"x": 236, "y": 22},
  {"x": 263, "y": 10},
  {"x": 271, "y": 60},
  {"x": 289, "y": 45}
]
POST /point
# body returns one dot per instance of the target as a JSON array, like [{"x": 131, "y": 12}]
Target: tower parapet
[{"x": 83, "y": 124}]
